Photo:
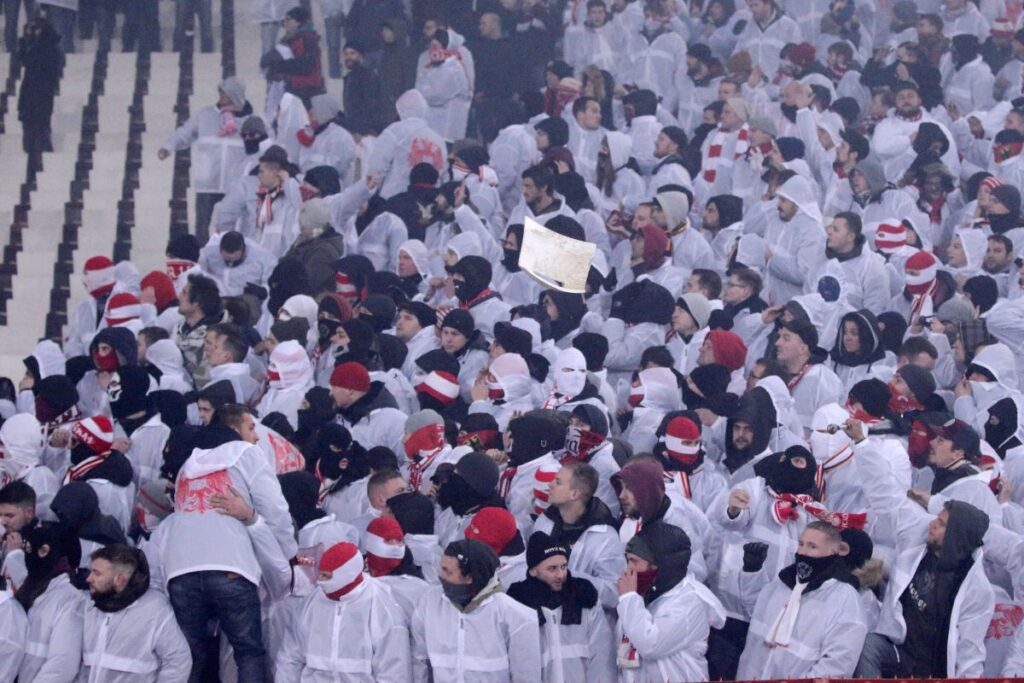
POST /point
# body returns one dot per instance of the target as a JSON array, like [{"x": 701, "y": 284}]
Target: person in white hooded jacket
[
  {"x": 290, "y": 375},
  {"x": 22, "y": 439},
  {"x": 207, "y": 557},
  {"x": 405, "y": 143},
  {"x": 506, "y": 389},
  {"x": 324, "y": 142},
  {"x": 665, "y": 615},
  {"x": 576, "y": 641},
  {"x": 350, "y": 629},
  {"x": 129, "y": 632},
  {"x": 807, "y": 622},
  {"x": 796, "y": 242},
  {"x": 445, "y": 79},
  {"x": 53, "y": 645},
  {"x": 654, "y": 393},
  {"x": 12, "y": 634},
  {"x": 467, "y": 629}
]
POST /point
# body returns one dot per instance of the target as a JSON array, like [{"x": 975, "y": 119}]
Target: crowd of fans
[{"x": 345, "y": 436}]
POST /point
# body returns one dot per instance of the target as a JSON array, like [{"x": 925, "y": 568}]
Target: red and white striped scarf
[
  {"x": 785, "y": 510},
  {"x": 76, "y": 472},
  {"x": 719, "y": 140},
  {"x": 418, "y": 467}
]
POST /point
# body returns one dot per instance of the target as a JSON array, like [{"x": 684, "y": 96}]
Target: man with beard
[
  {"x": 361, "y": 94},
  {"x": 671, "y": 167},
  {"x": 864, "y": 269},
  {"x": 539, "y": 201},
  {"x": 796, "y": 242},
  {"x": 129, "y": 628},
  {"x": 998, "y": 261},
  {"x": 236, "y": 262},
  {"x": 811, "y": 608},
  {"x": 891, "y": 140},
  {"x": 582, "y": 647},
  {"x": 416, "y": 327},
  {"x": 53, "y": 605},
  {"x": 698, "y": 88},
  {"x": 494, "y": 631}
]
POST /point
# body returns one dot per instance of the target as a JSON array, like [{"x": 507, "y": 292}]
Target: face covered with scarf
[{"x": 588, "y": 430}]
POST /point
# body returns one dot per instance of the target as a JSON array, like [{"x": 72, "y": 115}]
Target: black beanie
[
  {"x": 541, "y": 546},
  {"x": 461, "y": 321},
  {"x": 58, "y": 392},
  {"x": 1008, "y": 196},
  {"x": 426, "y": 315},
  {"x": 873, "y": 395},
  {"x": 556, "y": 129},
  {"x": 438, "y": 360},
  {"x": 712, "y": 379},
  {"x": 479, "y": 472},
  {"x": 413, "y": 511},
  {"x": 805, "y": 330},
  {"x": 476, "y": 271},
  {"x": 983, "y": 290},
  {"x": 593, "y": 416},
  {"x": 218, "y": 393},
  {"x": 184, "y": 247},
  {"x": 594, "y": 348},
  {"x": 536, "y": 433},
  {"x": 379, "y": 311},
  {"x": 920, "y": 381},
  {"x": 325, "y": 179},
  {"x": 513, "y": 339}
]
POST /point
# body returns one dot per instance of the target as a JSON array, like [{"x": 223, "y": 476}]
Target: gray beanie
[
  {"x": 234, "y": 88},
  {"x": 323, "y": 109},
  {"x": 697, "y": 306},
  {"x": 763, "y": 124},
  {"x": 314, "y": 214},
  {"x": 421, "y": 419},
  {"x": 254, "y": 125}
]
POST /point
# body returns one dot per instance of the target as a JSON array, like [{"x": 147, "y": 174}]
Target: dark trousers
[
  {"x": 141, "y": 26},
  {"x": 11, "y": 10},
  {"x": 203, "y": 10},
  {"x": 725, "y": 645},
  {"x": 880, "y": 658},
  {"x": 201, "y": 597},
  {"x": 205, "y": 201}
]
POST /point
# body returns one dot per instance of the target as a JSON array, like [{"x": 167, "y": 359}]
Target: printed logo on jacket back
[{"x": 193, "y": 495}]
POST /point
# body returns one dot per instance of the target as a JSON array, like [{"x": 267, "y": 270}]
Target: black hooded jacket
[
  {"x": 871, "y": 348},
  {"x": 756, "y": 409},
  {"x": 928, "y": 600},
  {"x": 671, "y": 548},
  {"x": 377, "y": 397},
  {"x": 567, "y": 534},
  {"x": 77, "y": 505}
]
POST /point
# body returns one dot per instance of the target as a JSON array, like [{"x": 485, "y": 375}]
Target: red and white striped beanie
[
  {"x": 542, "y": 478},
  {"x": 891, "y": 236},
  {"x": 383, "y": 556},
  {"x": 96, "y": 432},
  {"x": 121, "y": 308},
  {"x": 925, "y": 264},
  {"x": 346, "y": 565},
  {"x": 680, "y": 430},
  {"x": 99, "y": 276},
  {"x": 444, "y": 386}
]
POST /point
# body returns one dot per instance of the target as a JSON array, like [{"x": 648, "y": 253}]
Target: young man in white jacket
[
  {"x": 468, "y": 629},
  {"x": 576, "y": 641},
  {"x": 349, "y": 630},
  {"x": 208, "y": 558},
  {"x": 665, "y": 615},
  {"x": 807, "y": 622},
  {"x": 130, "y": 632}
]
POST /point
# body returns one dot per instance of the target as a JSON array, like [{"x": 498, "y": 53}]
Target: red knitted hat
[
  {"x": 681, "y": 429},
  {"x": 729, "y": 349},
  {"x": 163, "y": 288},
  {"x": 351, "y": 375},
  {"x": 495, "y": 527},
  {"x": 802, "y": 54},
  {"x": 99, "y": 276},
  {"x": 922, "y": 260},
  {"x": 96, "y": 432}
]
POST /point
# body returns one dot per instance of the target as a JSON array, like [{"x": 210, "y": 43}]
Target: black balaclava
[
  {"x": 476, "y": 270},
  {"x": 571, "y": 309},
  {"x": 288, "y": 278},
  {"x": 1002, "y": 425},
  {"x": 65, "y": 554},
  {"x": 375, "y": 206},
  {"x": 338, "y": 457},
  {"x": 54, "y": 396},
  {"x": 177, "y": 449},
  {"x": 301, "y": 490},
  {"x": 511, "y": 258},
  {"x": 780, "y": 474},
  {"x": 128, "y": 392}
]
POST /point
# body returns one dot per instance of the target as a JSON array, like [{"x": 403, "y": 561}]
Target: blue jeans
[{"x": 233, "y": 601}]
